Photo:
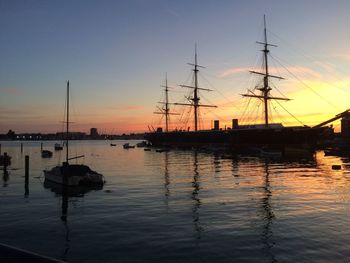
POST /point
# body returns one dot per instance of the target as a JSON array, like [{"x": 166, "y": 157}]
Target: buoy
[{"x": 336, "y": 167}]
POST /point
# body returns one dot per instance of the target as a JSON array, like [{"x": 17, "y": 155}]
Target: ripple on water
[{"x": 180, "y": 206}]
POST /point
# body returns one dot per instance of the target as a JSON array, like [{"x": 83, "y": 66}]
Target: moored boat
[
  {"x": 58, "y": 147},
  {"x": 46, "y": 154},
  {"x": 128, "y": 146},
  {"x": 72, "y": 174},
  {"x": 141, "y": 144}
]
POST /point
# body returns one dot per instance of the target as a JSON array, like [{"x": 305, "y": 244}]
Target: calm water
[{"x": 179, "y": 206}]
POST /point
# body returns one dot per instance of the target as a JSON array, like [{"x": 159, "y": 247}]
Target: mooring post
[
  {"x": 41, "y": 146},
  {"x": 0, "y": 148},
  {"x": 26, "y": 175},
  {"x": 21, "y": 147},
  {"x": 5, "y": 162}
]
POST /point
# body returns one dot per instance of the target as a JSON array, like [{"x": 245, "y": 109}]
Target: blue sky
[{"x": 116, "y": 53}]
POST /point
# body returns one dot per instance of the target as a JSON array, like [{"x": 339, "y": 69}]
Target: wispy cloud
[
  {"x": 344, "y": 56},
  {"x": 11, "y": 91},
  {"x": 128, "y": 108},
  {"x": 329, "y": 67},
  {"x": 233, "y": 71},
  {"x": 171, "y": 12},
  {"x": 14, "y": 111},
  {"x": 28, "y": 112},
  {"x": 273, "y": 70}
]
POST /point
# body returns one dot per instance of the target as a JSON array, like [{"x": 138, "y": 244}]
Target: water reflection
[
  {"x": 67, "y": 192},
  {"x": 235, "y": 167},
  {"x": 242, "y": 209},
  {"x": 166, "y": 177},
  {"x": 195, "y": 197},
  {"x": 5, "y": 178},
  {"x": 217, "y": 163},
  {"x": 267, "y": 215},
  {"x": 26, "y": 186}
]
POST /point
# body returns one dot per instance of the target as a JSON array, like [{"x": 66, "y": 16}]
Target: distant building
[{"x": 93, "y": 133}]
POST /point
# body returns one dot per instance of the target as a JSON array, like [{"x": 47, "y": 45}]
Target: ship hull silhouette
[{"x": 242, "y": 136}]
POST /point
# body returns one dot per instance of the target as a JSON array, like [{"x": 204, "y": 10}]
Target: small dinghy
[
  {"x": 128, "y": 146},
  {"x": 46, "y": 154}
]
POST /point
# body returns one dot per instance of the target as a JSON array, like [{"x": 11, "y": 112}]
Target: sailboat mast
[
  {"x": 195, "y": 91},
  {"x": 166, "y": 104},
  {"x": 266, "y": 88},
  {"x": 67, "y": 123}
]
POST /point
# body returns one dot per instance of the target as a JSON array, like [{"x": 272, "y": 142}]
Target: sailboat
[{"x": 72, "y": 174}]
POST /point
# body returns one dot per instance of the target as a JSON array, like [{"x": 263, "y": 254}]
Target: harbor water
[{"x": 178, "y": 206}]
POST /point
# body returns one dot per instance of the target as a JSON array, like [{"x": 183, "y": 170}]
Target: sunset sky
[{"x": 116, "y": 53}]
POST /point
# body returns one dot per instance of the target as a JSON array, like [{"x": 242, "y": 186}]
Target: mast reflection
[
  {"x": 166, "y": 178},
  {"x": 67, "y": 192},
  {"x": 5, "y": 178},
  {"x": 195, "y": 197},
  {"x": 268, "y": 215}
]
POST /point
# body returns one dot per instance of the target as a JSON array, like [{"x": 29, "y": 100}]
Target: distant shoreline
[{"x": 71, "y": 136}]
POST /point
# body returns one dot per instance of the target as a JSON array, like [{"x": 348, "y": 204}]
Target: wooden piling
[
  {"x": 21, "y": 147},
  {"x": 41, "y": 147}
]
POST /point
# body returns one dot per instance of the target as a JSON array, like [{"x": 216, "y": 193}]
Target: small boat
[
  {"x": 46, "y": 154},
  {"x": 147, "y": 149},
  {"x": 336, "y": 167},
  {"x": 72, "y": 174},
  {"x": 113, "y": 144},
  {"x": 58, "y": 147},
  {"x": 141, "y": 144},
  {"x": 128, "y": 146}
]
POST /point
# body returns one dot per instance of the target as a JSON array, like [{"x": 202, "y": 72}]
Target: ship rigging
[
  {"x": 265, "y": 89},
  {"x": 195, "y": 99},
  {"x": 165, "y": 110},
  {"x": 239, "y": 137}
]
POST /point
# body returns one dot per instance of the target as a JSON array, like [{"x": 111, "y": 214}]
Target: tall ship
[{"x": 273, "y": 135}]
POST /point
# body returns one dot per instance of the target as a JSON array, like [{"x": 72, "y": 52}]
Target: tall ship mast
[
  {"x": 265, "y": 89},
  {"x": 165, "y": 110},
  {"x": 242, "y": 137},
  {"x": 195, "y": 99}
]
